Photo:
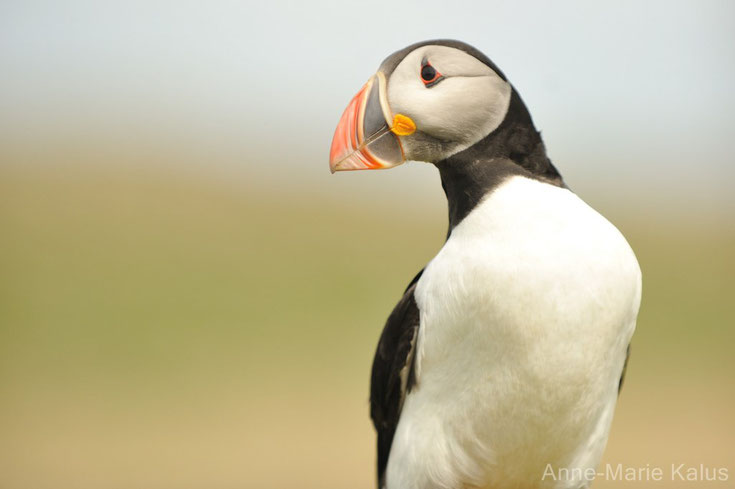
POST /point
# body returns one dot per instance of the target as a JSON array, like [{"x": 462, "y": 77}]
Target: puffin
[{"x": 501, "y": 364}]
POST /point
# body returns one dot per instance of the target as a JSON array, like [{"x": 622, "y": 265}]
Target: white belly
[{"x": 526, "y": 313}]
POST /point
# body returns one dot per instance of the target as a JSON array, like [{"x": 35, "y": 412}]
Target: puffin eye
[{"x": 429, "y": 75}]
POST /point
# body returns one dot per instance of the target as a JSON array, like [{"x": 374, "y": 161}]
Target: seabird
[{"x": 501, "y": 364}]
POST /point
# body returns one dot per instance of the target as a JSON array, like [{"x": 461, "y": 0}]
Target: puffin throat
[{"x": 514, "y": 148}]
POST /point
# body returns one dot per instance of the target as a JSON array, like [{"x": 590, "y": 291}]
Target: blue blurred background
[{"x": 189, "y": 299}]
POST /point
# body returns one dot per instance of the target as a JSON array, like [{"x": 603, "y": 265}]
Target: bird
[{"x": 501, "y": 364}]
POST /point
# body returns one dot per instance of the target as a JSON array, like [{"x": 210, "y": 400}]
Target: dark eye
[{"x": 429, "y": 75}]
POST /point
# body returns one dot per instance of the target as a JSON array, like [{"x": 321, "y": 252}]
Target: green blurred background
[{"x": 188, "y": 299}]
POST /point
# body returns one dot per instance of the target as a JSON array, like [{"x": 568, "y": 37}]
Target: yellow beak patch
[{"x": 403, "y": 125}]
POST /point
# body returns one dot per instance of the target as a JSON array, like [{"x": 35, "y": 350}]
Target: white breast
[{"x": 526, "y": 313}]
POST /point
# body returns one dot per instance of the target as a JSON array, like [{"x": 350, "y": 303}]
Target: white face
[{"x": 465, "y": 105}]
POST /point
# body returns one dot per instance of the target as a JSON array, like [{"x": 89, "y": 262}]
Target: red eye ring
[{"x": 429, "y": 75}]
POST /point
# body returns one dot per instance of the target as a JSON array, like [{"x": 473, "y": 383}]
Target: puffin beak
[{"x": 366, "y": 137}]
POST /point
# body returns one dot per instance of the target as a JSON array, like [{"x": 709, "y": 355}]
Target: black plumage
[{"x": 392, "y": 374}]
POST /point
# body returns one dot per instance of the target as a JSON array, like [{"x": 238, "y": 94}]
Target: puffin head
[{"x": 427, "y": 102}]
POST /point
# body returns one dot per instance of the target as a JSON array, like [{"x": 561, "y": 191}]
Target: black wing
[{"x": 392, "y": 375}]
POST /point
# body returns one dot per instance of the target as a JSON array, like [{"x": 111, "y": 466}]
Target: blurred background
[{"x": 188, "y": 298}]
